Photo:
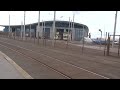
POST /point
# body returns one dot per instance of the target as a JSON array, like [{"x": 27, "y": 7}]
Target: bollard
[
  {"x": 38, "y": 38},
  {"x": 66, "y": 41},
  {"x": 14, "y": 35},
  {"x": 34, "y": 38},
  {"x": 26, "y": 37},
  {"x": 108, "y": 45},
  {"x": 105, "y": 44},
  {"x": 22, "y": 36},
  {"x": 83, "y": 46},
  {"x": 119, "y": 46},
  {"x": 45, "y": 42},
  {"x": 55, "y": 40}
]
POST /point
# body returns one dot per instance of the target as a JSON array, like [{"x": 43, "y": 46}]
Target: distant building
[{"x": 61, "y": 28}]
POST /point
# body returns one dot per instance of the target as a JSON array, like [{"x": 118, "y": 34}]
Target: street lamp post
[
  {"x": 54, "y": 31},
  {"x": 69, "y": 30},
  {"x": 101, "y": 37},
  {"x": 73, "y": 27},
  {"x": 83, "y": 39},
  {"x": 24, "y": 26},
  {"x": 21, "y": 29},
  {"x": 9, "y": 27},
  {"x": 30, "y": 30},
  {"x": 114, "y": 30},
  {"x": 38, "y": 28}
]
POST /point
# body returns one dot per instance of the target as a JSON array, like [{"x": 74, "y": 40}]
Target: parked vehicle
[{"x": 65, "y": 36}]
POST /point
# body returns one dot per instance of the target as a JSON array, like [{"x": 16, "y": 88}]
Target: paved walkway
[{"x": 10, "y": 70}]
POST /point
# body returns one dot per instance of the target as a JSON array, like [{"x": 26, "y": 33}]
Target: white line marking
[
  {"x": 40, "y": 62},
  {"x": 24, "y": 73}
]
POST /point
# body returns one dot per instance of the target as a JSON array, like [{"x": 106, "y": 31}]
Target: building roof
[{"x": 49, "y": 23}]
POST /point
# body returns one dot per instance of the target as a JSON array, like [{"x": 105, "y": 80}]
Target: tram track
[{"x": 72, "y": 65}]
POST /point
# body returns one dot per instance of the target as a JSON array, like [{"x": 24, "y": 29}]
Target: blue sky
[{"x": 95, "y": 20}]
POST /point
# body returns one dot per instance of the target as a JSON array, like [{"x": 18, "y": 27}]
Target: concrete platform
[{"x": 10, "y": 70}]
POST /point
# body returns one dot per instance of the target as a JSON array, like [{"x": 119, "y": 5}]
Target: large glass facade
[
  {"x": 63, "y": 25},
  {"x": 78, "y": 34}
]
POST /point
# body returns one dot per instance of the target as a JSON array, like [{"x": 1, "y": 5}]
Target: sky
[{"x": 95, "y": 20}]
